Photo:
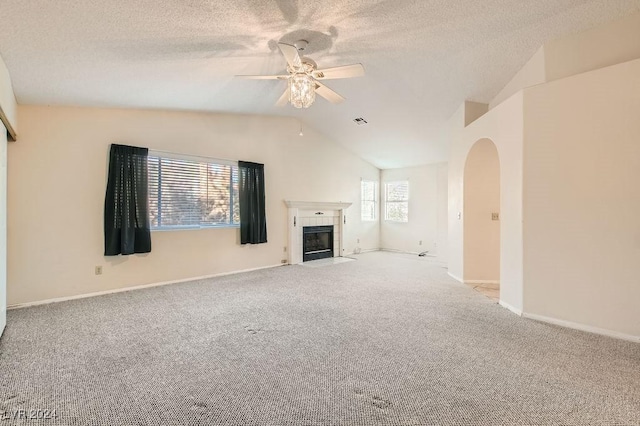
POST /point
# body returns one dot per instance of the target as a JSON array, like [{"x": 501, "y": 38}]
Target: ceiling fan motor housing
[
  {"x": 308, "y": 66},
  {"x": 301, "y": 45}
]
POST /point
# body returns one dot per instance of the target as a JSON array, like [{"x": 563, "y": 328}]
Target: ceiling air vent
[{"x": 360, "y": 121}]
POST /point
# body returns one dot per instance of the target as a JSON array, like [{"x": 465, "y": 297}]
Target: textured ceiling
[{"x": 423, "y": 58}]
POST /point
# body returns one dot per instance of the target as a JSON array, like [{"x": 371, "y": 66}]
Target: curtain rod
[{"x": 191, "y": 155}]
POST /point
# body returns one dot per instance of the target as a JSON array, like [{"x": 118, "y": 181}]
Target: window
[
  {"x": 397, "y": 201},
  {"x": 369, "y": 200},
  {"x": 192, "y": 192}
]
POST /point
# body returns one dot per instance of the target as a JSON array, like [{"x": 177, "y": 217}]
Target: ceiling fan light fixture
[
  {"x": 302, "y": 90},
  {"x": 302, "y": 77}
]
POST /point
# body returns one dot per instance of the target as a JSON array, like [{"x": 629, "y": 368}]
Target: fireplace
[
  {"x": 317, "y": 242},
  {"x": 302, "y": 214}
]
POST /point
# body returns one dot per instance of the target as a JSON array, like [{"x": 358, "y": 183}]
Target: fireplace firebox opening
[{"x": 317, "y": 242}]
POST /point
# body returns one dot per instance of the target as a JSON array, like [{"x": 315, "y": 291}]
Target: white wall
[
  {"x": 481, "y": 200},
  {"x": 8, "y": 116},
  {"x": 3, "y": 227},
  {"x": 371, "y": 227},
  {"x": 503, "y": 125},
  {"x": 57, "y": 181},
  {"x": 442, "y": 207},
  {"x": 582, "y": 199},
  {"x": 427, "y": 203}
]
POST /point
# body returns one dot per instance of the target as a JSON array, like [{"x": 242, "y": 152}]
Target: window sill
[{"x": 192, "y": 228}]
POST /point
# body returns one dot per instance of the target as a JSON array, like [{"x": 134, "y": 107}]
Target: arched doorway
[{"x": 481, "y": 227}]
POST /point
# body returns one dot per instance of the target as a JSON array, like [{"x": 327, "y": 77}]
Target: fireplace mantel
[
  {"x": 320, "y": 205},
  {"x": 305, "y": 213}
]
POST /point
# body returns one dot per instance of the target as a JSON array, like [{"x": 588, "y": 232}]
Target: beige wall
[
  {"x": 605, "y": 45},
  {"x": 57, "y": 180},
  {"x": 582, "y": 199},
  {"x": 427, "y": 211},
  {"x": 580, "y": 119},
  {"x": 473, "y": 111},
  {"x": 8, "y": 106},
  {"x": 481, "y": 199},
  {"x": 570, "y": 239},
  {"x": 532, "y": 73},
  {"x": 609, "y": 44},
  {"x": 503, "y": 125}
]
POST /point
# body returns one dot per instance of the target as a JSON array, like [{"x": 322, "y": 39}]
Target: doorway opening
[{"x": 481, "y": 227}]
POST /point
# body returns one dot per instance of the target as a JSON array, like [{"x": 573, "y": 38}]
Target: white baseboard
[
  {"x": 482, "y": 281},
  {"x": 369, "y": 250},
  {"x": 455, "y": 278},
  {"x": 407, "y": 252},
  {"x": 363, "y": 251},
  {"x": 138, "y": 287},
  {"x": 582, "y": 327},
  {"x": 511, "y": 308},
  {"x": 398, "y": 251}
]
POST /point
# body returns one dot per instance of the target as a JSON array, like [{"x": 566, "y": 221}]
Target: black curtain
[
  {"x": 126, "y": 205},
  {"x": 253, "y": 224}
]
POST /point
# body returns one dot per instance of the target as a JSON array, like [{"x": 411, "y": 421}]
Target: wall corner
[
  {"x": 8, "y": 104},
  {"x": 473, "y": 111}
]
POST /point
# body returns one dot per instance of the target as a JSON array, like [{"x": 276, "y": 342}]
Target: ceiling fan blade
[
  {"x": 291, "y": 55},
  {"x": 346, "y": 71},
  {"x": 284, "y": 98},
  {"x": 328, "y": 94},
  {"x": 263, "y": 77}
]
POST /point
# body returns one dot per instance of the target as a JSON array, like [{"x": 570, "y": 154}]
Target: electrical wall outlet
[
  {"x": 358, "y": 241},
  {"x": 98, "y": 270},
  {"x": 285, "y": 249},
  {"x": 420, "y": 242},
  {"x": 495, "y": 216}
]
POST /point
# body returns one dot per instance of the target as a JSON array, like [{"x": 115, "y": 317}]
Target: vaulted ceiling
[{"x": 423, "y": 58}]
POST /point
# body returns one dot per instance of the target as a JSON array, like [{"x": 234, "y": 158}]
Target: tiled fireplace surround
[{"x": 310, "y": 213}]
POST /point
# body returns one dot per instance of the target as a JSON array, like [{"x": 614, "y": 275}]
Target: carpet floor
[{"x": 388, "y": 339}]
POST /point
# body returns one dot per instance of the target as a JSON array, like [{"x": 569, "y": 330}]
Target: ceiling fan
[{"x": 303, "y": 77}]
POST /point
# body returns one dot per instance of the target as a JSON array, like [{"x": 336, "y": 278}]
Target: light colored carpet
[{"x": 388, "y": 339}]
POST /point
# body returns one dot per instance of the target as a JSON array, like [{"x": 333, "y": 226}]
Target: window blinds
[
  {"x": 192, "y": 192},
  {"x": 368, "y": 201},
  {"x": 397, "y": 201}
]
